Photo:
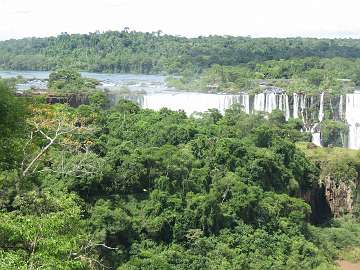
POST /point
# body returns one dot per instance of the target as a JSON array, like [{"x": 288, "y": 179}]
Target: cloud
[
  {"x": 330, "y": 18},
  {"x": 110, "y": 3},
  {"x": 22, "y": 12}
]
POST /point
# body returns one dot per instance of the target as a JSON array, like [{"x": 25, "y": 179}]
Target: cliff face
[
  {"x": 74, "y": 100},
  {"x": 331, "y": 199},
  {"x": 340, "y": 196},
  {"x": 337, "y": 189}
]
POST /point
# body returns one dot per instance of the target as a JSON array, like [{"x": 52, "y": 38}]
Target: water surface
[{"x": 149, "y": 91}]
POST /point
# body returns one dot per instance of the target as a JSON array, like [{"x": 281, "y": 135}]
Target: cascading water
[
  {"x": 245, "y": 103},
  {"x": 270, "y": 104},
  {"x": 281, "y": 103},
  {"x": 341, "y": 105},
  {"x": 352, "y": 117},
  {"x": 287, "y": 108},
  {"x": 321, "y": 110},
  {"x": 157, "y": 95},
  {"x": 302, "y": 108},
  {"x": 315, "y": 130},
  {"x": 316, "y": 138},
  {"x": 310, "y": 109},
  {"x": 296, "y": 106},
  {"x": 259, "y": 102}
]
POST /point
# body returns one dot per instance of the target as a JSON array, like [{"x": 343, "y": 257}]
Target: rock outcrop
[{"x": 340, "y": 196}]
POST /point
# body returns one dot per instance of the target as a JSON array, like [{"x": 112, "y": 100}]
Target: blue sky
[{"x": 277, "y": 18}]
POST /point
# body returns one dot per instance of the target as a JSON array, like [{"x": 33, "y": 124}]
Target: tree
[
  {"x": 51, "y": 127},
  {"x": 69, "y": 80},
  {"x": 46, "y": 231},
  {"x": 12, "y": 124},
  {"x": 333, "y": 133},
  {"x": 99, "y": 100}
]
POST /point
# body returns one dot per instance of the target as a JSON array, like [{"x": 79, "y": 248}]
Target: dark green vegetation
[
  {"x": 12, "y": 120},
  {"x": 127, "y": 188},
  {"x": 333, "y": 133},
  {"x": 65, "y": 80},
  {"x": 310, "y": 75},
  {"x": 214, "y": 63},
  {"x": 136, "y": 52}
]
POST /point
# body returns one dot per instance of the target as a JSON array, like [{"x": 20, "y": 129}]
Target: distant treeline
[
  {"x": 310, "y": 74},
  {"x": 137, "y": 52}
]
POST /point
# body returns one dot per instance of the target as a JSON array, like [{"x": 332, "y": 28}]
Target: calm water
[{"x": 149, "y": 91}]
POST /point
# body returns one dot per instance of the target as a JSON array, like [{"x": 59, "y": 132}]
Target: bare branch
[
  {"x": 24, "y": 149},
  {"x": 38, "y": 156},
  {"x": 102, "y": 245},
  {"x": 52, "y": 140},
  {"x": 38, "y": 129},
  {"x": 56, "y": 130}
]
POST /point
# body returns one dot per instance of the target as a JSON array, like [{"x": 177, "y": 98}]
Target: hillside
[
  {"x": 129, "y": 188},
  {"x": 137, "y": 52}
]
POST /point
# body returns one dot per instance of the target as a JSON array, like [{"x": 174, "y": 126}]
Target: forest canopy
[
  {"x": 137, "y": 52},
  {"x": 90, "y": 186},
  {"x": 131, "y": 188}
]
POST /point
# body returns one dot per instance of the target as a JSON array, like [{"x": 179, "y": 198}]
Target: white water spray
[
  {"x": 259, "y": 102},
  {"x": 270, "y": 104},
  {"x": 321, "y": 110},
  {"x": 352, "y": 117},
  {"x": 296, "y": 106}
]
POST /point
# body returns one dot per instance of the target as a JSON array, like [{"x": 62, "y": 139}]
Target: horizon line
[{"x": 325, "y": 35}]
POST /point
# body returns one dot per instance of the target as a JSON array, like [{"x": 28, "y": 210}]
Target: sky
[{"x": 256, "y": 18}]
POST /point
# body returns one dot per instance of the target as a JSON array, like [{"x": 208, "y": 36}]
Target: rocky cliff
[{"x": 337, "y": 191}]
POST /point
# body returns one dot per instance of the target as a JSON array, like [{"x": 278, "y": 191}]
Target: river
[{"x": 151, "y": 91}]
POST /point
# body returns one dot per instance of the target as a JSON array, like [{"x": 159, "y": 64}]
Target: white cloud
[{"x": 331, "y": 18}]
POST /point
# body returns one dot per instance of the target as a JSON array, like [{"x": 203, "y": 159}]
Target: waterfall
[
  {"x": 270, "y": 104},
  {"x": 349, "y": 110},
  {"x": 296, "y": 106},
  {"x": 287, "y": 107},
  {"x": 259, "y": 102},
  {"x": 352, "y": 116},
  {"x": 315, "y": 130},
  {"x": 246, "y": 103},
  {"x": 281, "y": 103},
  {"x": 228, "y": 102},
  {"x": 341, "y": 112},
  {"x": 316, "y": 138},
  {"x": 302, "y": 108},
  {"x": 316, "y": 134},
  {"x": 321, "y": 110},
  {"x": 310, "y": 109}
]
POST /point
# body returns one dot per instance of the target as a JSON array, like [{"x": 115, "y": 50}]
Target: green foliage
[
  {"x": 99, "y": 100},
  {"x": 277, "y": 117},
  {"x": 42, "y": 232},
  {"x": 12, "y": 122},
  {"x": 333, "y": 133},
  {"x": 128, "y": 188},
  {"x": 69, "y": 80},
  {"x": 342, "y": 236},
  {"x": 213, "y": 63},
  {"x": 136, "y": 52},
  {"x": 126, "y": 106},
  {"x": 344, "y": 169},
  {"x": 310, "y": 74}
]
